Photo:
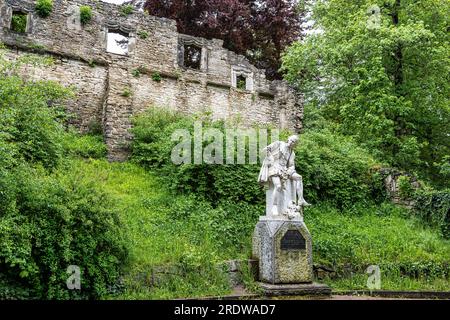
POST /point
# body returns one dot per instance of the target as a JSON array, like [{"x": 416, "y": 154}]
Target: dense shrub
[
  {"x": 44, "y": 7},
  {"x": 152, "y": 147},
  {"x": 334, "y": 168},
  {"x": 433, "y": 207},
  {"x": 85, "y": 146},
  {"x": 52, "y": 222},
  {"x": 19, "y": 23},
  {"x": 49, "y": 218},
  {"x": 29, "y": 118},
  {"x": 85, "y": 14},
  {"x": 126, "y": 9}
]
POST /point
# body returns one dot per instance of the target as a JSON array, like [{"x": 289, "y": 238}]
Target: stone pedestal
[
  {"x": 284, "y": 251},
  {"x": 301, "y": 289}
]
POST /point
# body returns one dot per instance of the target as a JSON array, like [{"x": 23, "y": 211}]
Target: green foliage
[
  {"x": 126, "y": 93},
  {"x": 143, "y": 34},
  {"x": 188, "y": 237},
  {"x": 433, "y": 207},
  {"x": 386, "y": 83},
  {"x": 50, "y": 216},
  {"x": 382, "y": 235},
  {"x": 19, "y": 23},
  {"x": 57, "y": 221},
  {"x": 126, "y": 10},
  {"x": 156, "y": 77},
  {"x": 229, "y": 225},
  {"x": 85, "y": 146},
  {"x": 405, "y": 188},
  {"x": 44, "y": 7},
  {"x": 335, "y": 169},
  {"x": 241, "y": 85},
  {"x": 136, "y": 73},
  {"x": 167, "y": 233},
  {"x": 85, "y": 14},
  {"x": 30, "y": 117},
  {"x": 152, "y": 147}
]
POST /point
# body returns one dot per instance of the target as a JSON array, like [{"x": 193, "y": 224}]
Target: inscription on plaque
[{"x": 293, "y": 240}]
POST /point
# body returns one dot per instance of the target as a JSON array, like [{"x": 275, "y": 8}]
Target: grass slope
[{"x": 349, "y": 241}]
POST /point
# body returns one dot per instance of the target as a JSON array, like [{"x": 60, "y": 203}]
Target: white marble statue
[{"x": 285, "y": 186}]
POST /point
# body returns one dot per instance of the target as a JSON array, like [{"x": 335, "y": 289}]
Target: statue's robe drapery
[{"x": 279, "y": 161}]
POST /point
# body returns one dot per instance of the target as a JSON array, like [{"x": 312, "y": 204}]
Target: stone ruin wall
[{"x": 101, "y": 78}]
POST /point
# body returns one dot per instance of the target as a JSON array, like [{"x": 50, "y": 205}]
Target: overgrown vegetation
[
  {"x": 19, "y": 22},
  {"x": 126, "y": 10},
  {"x": 44, "y": 8},
  {"x": 49, "y": 218},
  {"x": 352, "y": 226},
  {"x": 381, "y": 78},
  {"x": 149, "y": 228},
  {"x": 333, "y": 166},
  {"x": 433, "y": 207},
  {"x": 156, "y": 77},
  {"x": 85, "y": 14}
]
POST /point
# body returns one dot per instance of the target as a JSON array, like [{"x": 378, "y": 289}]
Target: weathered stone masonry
[{"x": 109, "y": 88}]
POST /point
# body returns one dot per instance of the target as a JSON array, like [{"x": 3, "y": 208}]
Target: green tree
[{"x": 379, "y": 71}]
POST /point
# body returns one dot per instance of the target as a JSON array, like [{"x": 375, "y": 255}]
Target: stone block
[
  {"x": 284, "y": 251},
  {"x": 301, "y": 289}
]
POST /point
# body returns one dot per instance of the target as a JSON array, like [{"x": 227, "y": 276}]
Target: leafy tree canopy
[
  {"x": 379, "y": 70},
  {"x": 259, "y": 29}
]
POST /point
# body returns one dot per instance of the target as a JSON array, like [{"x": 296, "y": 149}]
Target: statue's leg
[
  {"x": 299, "y": 188},
  {"x": 276, "y": 195}
]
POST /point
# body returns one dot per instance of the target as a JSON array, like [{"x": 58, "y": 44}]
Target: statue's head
[{"x": 293, "y": 141}]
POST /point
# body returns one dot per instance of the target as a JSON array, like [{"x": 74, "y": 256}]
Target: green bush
[
  {"x": 44, "y": 7},
  {"x": 85, "y": 146},
  {"x": 406, "y": 190},
  {"x": 57, "y": 221},
  {"x": 433, "y": 207},
  {"x": 49, "y": 218},
  {"x": 152, "y": 147},
  {"x": 156, "y": 77},
  {"x": 126, "y": 9},
  {"x": 31, "y": 118},
  {"x": 336, "y": 170},
  {"x": 85, "y": 14}
]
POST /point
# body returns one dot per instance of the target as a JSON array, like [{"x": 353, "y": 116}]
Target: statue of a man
[{"x": 278, "y": 172}]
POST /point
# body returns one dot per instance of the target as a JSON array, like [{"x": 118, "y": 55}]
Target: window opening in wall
[
  {"x": 117, "y": 42},
  {"x": 192, "y": 56},
  {"x": 241, "y": 82},
  {"x": 19, "y": 22}
]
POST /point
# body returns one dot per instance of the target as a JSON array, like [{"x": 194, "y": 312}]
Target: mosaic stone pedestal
[{"x": 284, "y": 251}]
